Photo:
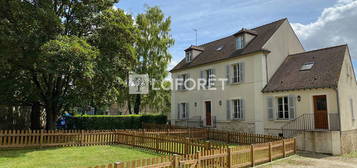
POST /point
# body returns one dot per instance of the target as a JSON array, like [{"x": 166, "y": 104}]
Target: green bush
[{"x": 100, "y": 122}]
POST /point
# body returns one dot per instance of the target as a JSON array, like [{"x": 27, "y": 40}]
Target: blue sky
[{"x": 316, "y": 22}]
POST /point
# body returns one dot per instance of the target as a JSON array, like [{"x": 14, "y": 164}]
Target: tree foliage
[
  {"x": 61, "y": 54},
  {"x": 153, "y": 54}
]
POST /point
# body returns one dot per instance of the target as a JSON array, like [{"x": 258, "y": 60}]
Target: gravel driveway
[{"x": 311, "y": 160}]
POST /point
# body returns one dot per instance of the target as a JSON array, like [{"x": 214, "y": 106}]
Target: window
[
  {"x": 220, "y": 48},
  {"x": 237, "y": 108},
  {"x": 183, "y": 112},
  {"x": 240, "y": 42},
  {"x": 209, "y": 76},
  {"x": 237, "y": 73},
  {"x": 307, "y": 66},
  {"x": 283, "y": 108},
  {"x": 181, "y": 82},
  {"x": 188, "y": 56}
]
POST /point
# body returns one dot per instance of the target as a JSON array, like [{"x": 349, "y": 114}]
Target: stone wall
[{"x": 349, "y": 141}]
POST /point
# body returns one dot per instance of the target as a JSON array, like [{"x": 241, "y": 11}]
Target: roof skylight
[
  {"x": 220, "y": 48},
  {"x": 307, "y": 66}
]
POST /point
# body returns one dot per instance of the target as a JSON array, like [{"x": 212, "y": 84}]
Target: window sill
[
  {"x": 236, "y": 83},
  {"x": 281, "y": 120},
  {"x": 236, "y": 119}
]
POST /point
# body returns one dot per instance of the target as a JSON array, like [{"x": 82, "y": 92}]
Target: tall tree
[
  {"x": 153, "y": 54},
  {"x": 115, "y": 36},
  {"x": 47, "y": 42}
]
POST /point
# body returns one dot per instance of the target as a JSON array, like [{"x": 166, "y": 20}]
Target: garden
[{"x": 154, "y": 145}]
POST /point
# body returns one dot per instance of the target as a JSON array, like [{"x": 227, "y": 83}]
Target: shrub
[{"x": 100, "y": 122}]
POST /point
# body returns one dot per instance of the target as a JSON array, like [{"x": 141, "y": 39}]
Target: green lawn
[{"x": 70, "y": 157}]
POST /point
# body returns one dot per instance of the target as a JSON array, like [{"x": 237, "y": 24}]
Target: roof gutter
[{"x": 265, "y": 51}]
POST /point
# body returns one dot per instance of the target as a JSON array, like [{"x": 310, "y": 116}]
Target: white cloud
[{"x": 336, "y": 25}]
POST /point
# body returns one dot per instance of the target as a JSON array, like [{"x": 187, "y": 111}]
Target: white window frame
[
  {"x": 240, "y": 42},
  {"x": 209, "y": 77},
  {"x": 237, "y": 110},
  {"x": 307, "y": 66},
  {"x": 183, "y": 112},
  {"x": 236, "y": 73},
  {"x": 284, "y": 104},
  {"x": 188, "y": 56},
  {"x": 183, "y": 78}
]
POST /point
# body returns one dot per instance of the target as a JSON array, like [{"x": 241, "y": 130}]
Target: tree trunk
[
  {"x": 129, "y": 106},
  {"x": 137, "y": 104},
  {"x": 36, "y": 116},
  {"x": 51, "y": 116}
]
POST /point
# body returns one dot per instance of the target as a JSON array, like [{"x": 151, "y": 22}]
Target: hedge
[{"x": 99, "y": 122}]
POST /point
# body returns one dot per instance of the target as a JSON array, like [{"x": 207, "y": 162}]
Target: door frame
[
  {"x": 205, "y": 111},
  {"x": 314, "y": 110}
]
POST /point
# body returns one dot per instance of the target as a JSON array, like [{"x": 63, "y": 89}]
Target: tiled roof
[
  {"x": 325, "y": 72},
  {"x": 211, "y": 54}
]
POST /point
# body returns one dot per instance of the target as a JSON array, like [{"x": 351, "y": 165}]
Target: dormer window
[
  {"x": 240, "y": 42},
  {"x": 188, "y": 56},
  {"x": 307, "y": 66}
]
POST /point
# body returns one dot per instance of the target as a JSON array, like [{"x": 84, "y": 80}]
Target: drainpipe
[
  {"x": 338, "y": 106},
  {"x": 339, "y": 114},
  {"x": 266, "y": 66}
]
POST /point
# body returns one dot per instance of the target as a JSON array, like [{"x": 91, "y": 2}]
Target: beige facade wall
[
  {"x": 304, "y": 106},
  {"x": 249, "y": 90},
  {"x": 347, "y": 91},
  {"x": 283, "y": 43}
]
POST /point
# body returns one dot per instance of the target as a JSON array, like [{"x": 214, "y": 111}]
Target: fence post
[
  {"x": 198, "y": 155},
  {"x": 118, "y": 165},
  {"x": 82, "y": 137},
  {"x": 176, "y": 161},
  {"x": 157, "y": 143},
  {"x": 294, "y": 145},
  {"x": 229, "y": 158},
  {"x": 41, "y": 138},
  {"x": 284, "y": 152},
  {"x": 252, "y": 154},
  {"x": 270, "y": 152},
  {"x": 186, "y": 146}
]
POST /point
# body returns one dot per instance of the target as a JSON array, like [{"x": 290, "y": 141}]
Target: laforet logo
[{"x": 138, "y": 84}]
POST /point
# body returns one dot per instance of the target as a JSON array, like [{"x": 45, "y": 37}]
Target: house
[{"x": 271, "y": 86}]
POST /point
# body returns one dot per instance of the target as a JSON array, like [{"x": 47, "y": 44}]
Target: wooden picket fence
[
  {"x": 236, "y": 157},
  {"x": 44, "y": 138},
  {"x": 166, "y": 144},
  {"x": 188, "y": 145},
  {"x": 240, "y": 138}
]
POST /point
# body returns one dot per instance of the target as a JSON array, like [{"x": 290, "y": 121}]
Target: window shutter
[
  {"x": 228, "y": 110},
  {"x": 179, "y": 84},
  {"x": 292, "y": 111},
  {"x": 178, "y": 111},
  {"x": 227, "y": 74},
  {"x": 270, "y": 108},
  {"x": 242, "y": 108},
  {"x": 241, "y": 72},
  {"x": 202, "y": 76},
  {"x": 187, "y": 111},
  {"x": 188, "y": 82},
  {"x": 213, "y": 74}
]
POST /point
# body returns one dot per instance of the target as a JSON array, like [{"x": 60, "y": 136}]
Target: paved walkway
[{"x": 311, "y": 160}]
